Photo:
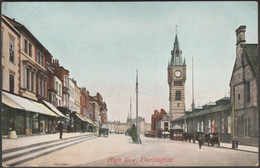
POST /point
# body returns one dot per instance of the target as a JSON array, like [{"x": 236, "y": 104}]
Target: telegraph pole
[
  {"x": 137, "y": 125},
  {"x": 130, "y": 113},
  {"x": 192, "y": 105}
]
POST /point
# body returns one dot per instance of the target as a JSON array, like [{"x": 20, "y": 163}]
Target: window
[
  {"x": 43, "y": 88},
  {"x": 201, "y": 127},
  {"x": 11, "y": 49},
  {"x": 28, "y": 78},
  {"x": 178, "y": 95},
  {"x": 38, "y": 56},
  {"x": 65, "y": 81},
  {"x": 247, "y": 126},
  {"x": 166, "y": 126},
  {"x": 178, "y": 104},
  {"x": 198, "y": 127},
  {"x": 11, "y": 83},
  {"x": 56, "y": 86},
  {"x": 32, "y": 77},
  {"x": 222, "y": 126},
  {"x": 209, "y": 126},
  {"x": 229, "y": 125},
  {"x": 178, "y": 83},
  {"x": 25, "y": 46},
  {"x": 238, "y": 96},
  {"x": 59, "y": 90},
  {"x": 41, "y": 60},
  {"x": 30, "y": 49},
  {"x": 39, "y": 85}
]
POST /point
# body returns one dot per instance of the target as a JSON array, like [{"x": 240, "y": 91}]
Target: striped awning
[
  {"x": 19, "y": 102},
  {"x": 9, "y": 102},
  {"x": 53, "y": 108}
]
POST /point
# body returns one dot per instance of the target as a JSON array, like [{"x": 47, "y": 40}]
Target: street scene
[{"x": 130, "y": 84}]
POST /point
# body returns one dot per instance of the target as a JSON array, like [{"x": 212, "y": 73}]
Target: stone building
[
  {"x": 243, "y": 89},
  {"x": 176, "y": 81},
  {"x": 211, "y": 117}
]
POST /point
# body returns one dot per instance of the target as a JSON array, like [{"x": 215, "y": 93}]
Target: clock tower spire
[{"x": 176, "y": 81}]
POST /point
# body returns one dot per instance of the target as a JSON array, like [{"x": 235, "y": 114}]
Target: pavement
[
  {"x": 34, "y": 139},
  {"x": 244, "y": 148}
]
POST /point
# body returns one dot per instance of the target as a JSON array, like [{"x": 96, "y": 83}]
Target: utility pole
[
  {"x": 137, "y": 125},
  {"x": 130, "y": 113},
  {"x": 192, "y": 105}
]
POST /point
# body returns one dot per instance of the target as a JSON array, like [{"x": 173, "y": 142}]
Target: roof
[
  {"x": 20, "y": 27},
  {"x": 251, "y": 50},
  {"x": 176, "y": 53},
  {"x": 166, "y": 119},
  {"x": 214, "y": 109},
  {"x": 175, "y": 127}
]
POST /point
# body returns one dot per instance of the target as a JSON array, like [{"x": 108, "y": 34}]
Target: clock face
[{"x": 177, "y": 73}]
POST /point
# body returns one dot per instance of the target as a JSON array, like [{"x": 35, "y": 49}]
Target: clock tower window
[{"x": 178, "y": 95}]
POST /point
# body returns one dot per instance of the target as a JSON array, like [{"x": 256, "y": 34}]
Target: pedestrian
[
  {"x": 60, "y": 128},
  {"x": 194, "y": 138},
  {"x": 236, "y": 143},
  {"x": 200, "y": 142}
]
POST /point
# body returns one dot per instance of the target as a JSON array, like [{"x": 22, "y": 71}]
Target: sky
[{"x": 102, "y": 44}]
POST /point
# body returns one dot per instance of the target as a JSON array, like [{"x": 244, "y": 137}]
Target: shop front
[{"x": 25, "y": 116}]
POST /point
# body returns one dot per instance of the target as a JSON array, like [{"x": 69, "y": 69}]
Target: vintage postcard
[{"x": 130, "y": 84}]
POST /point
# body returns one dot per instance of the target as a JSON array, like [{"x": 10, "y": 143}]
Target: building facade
[
  {"x": 243, "y": 89},
  {"x": 211, "y": 117},
  {"x": 176, "y": 81},
  {"x": 10, "y": 56},
  {"x": 157, "y": 117}
]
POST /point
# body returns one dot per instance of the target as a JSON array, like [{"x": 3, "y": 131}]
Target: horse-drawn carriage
[
  {"x": 187, "y": 136},
  {"x": 103, "y": 130},
  {"x": 212, "y": 138}
]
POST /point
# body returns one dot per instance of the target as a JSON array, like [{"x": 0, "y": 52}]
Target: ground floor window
[
  {"x": 201, "y": 127},
  {"x": 29, "y": 123},
  {"x": 229, "y": 125},
  {"x": 247, "y": 126},
  {"x": 13, "y": 119},
  {"x": 35, "y": 123},
  {"x": 222, "y": 126}
]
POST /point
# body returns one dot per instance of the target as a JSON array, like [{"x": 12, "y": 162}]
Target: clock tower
[{"x": 176, "y": 81}]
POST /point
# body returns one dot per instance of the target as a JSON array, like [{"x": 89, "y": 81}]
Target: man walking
[
  {"x": 200, "y": 142},
  {"x": 60, "y": 128}
]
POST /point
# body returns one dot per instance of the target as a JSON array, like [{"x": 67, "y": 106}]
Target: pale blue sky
[{"x": 103, "y": 43}]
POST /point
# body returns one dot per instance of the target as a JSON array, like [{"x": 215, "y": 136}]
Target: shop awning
[
  {"x": 7, "y": 101},
  {"x": 26, "y": 104},
  {"x": 96, "y": 123},
  {"x": 80, "y": 117},
  {"x": 45, "y": 109},
  {"x": 53, "y": 108},
  {"x": 90, "y": 121}
]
